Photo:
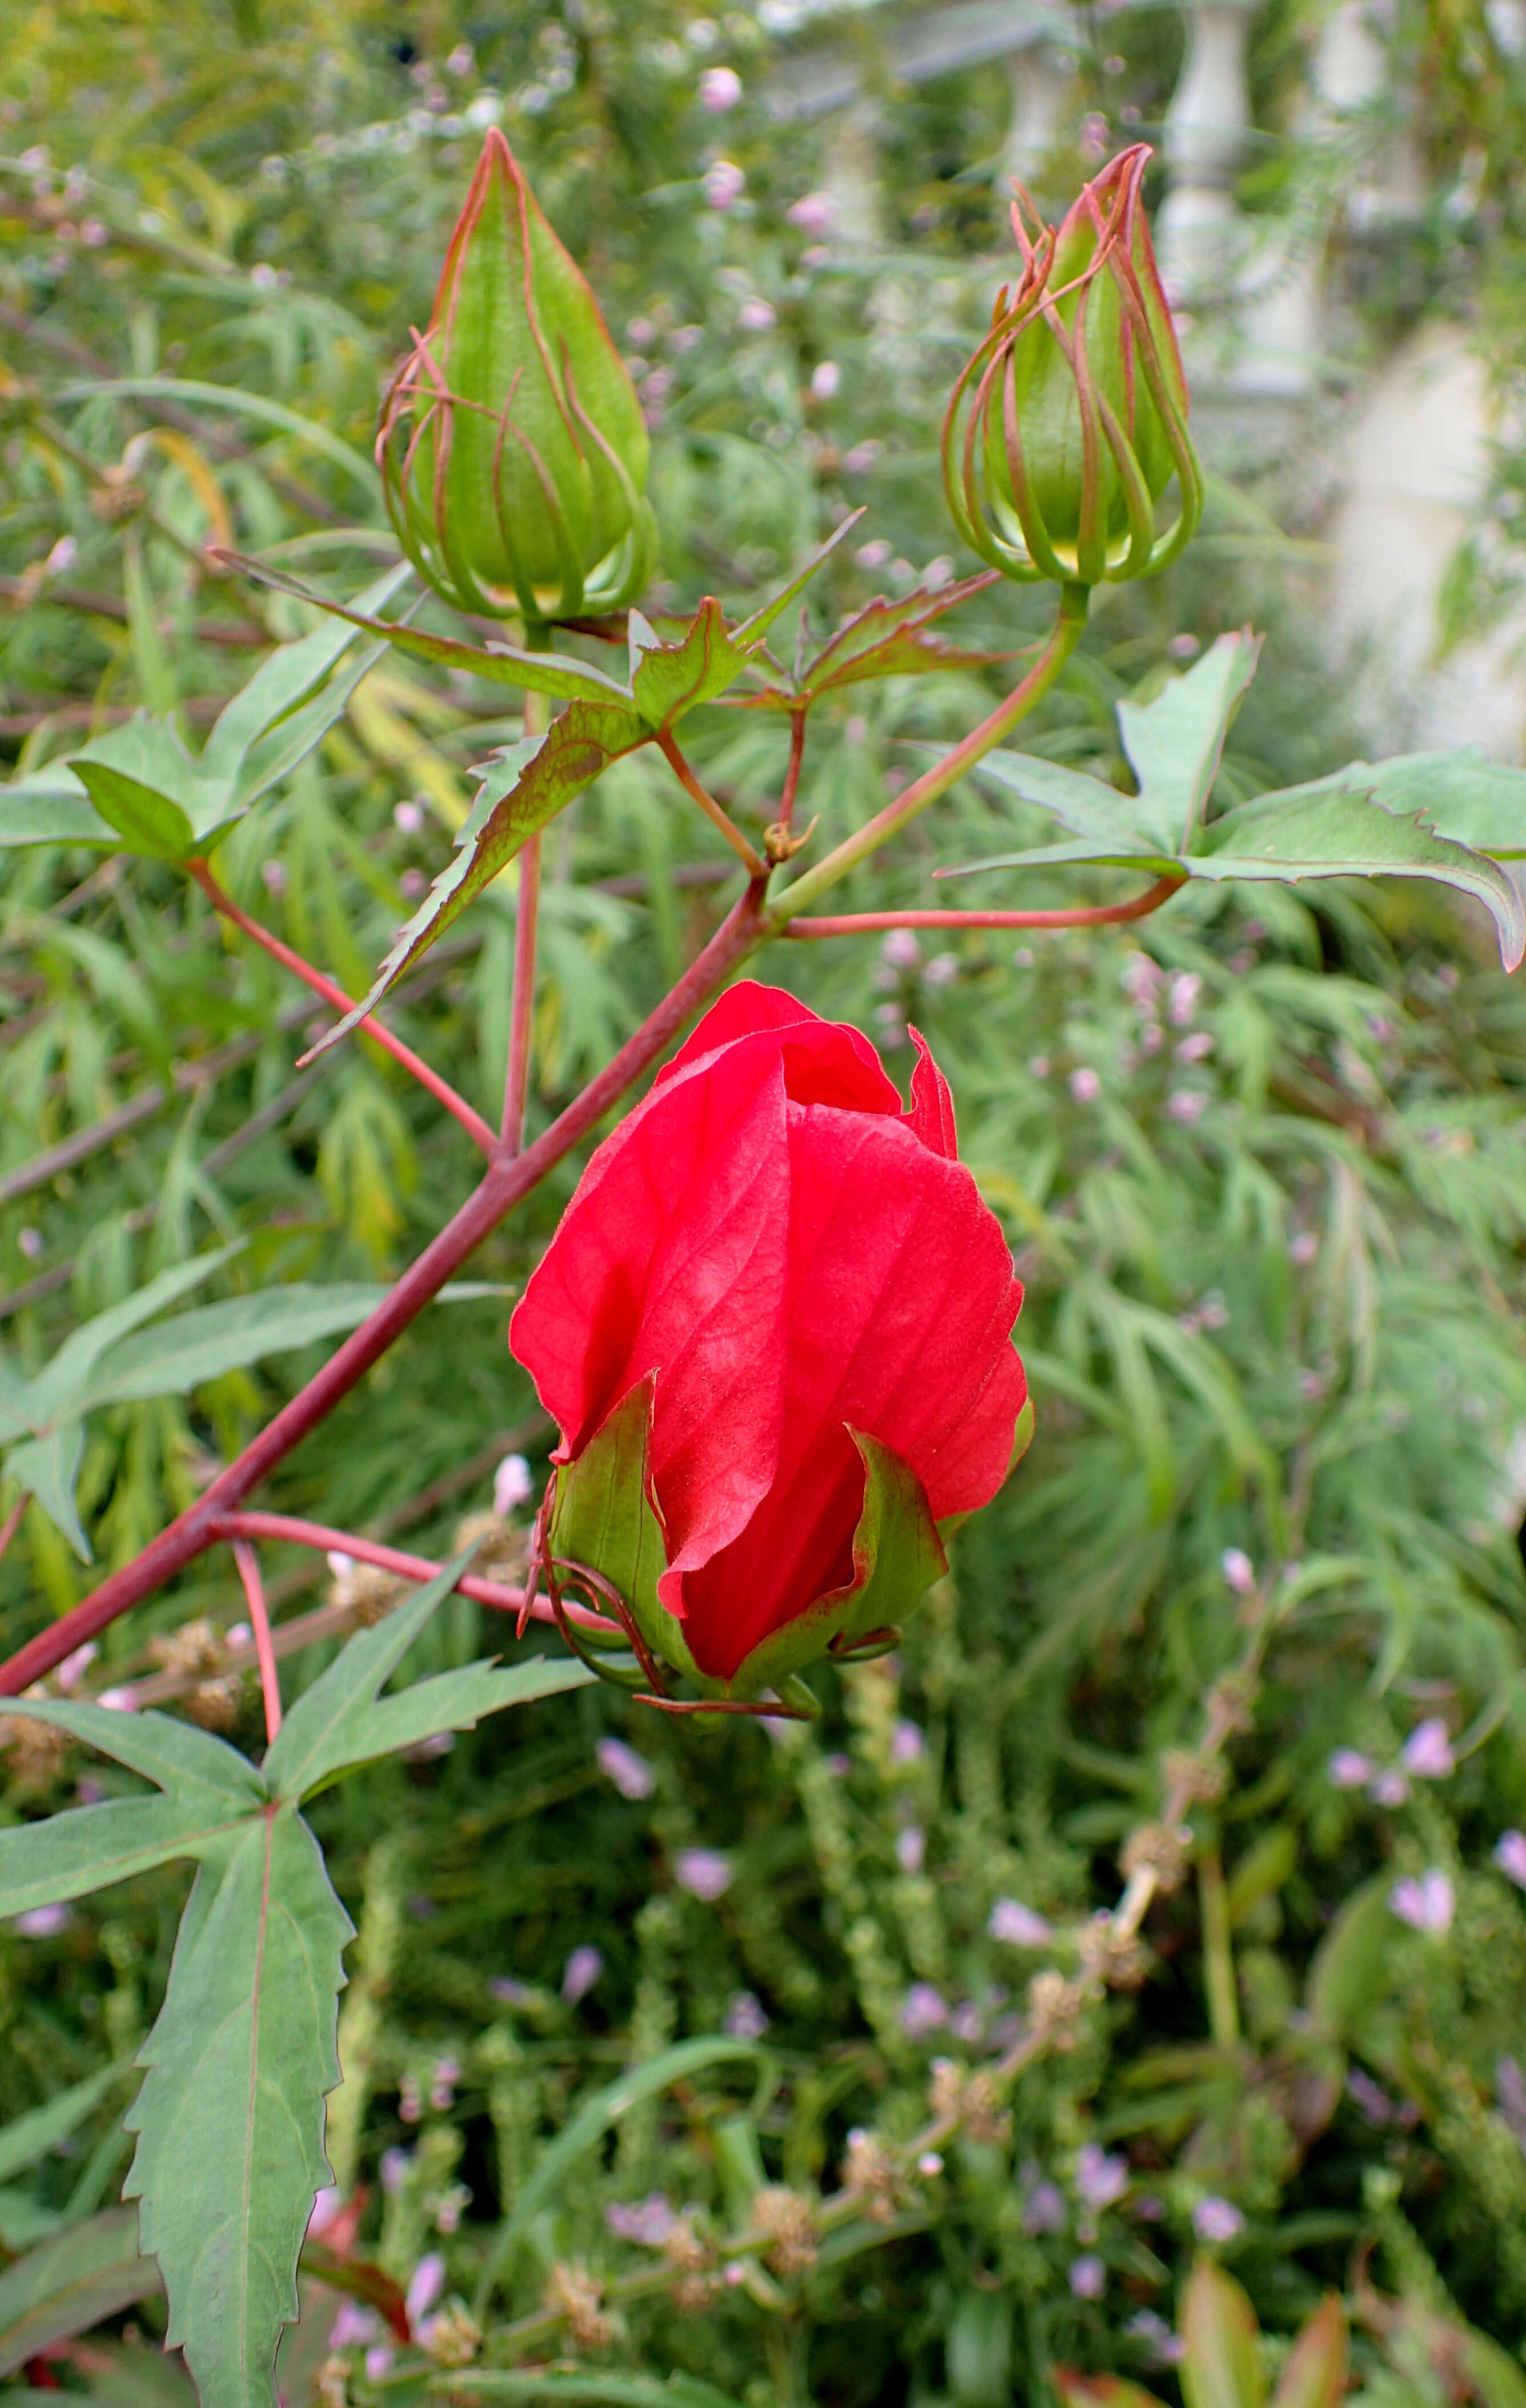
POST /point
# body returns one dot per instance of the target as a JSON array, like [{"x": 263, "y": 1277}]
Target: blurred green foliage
[{"x": 1264, "y": 1175}]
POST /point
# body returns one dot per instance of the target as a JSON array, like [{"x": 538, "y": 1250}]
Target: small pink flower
[
  {"x": 1195, "y": 1048},
  {"x": 1085, "y": 1086},
  {"x": 875, "y": 555},
  {"x": 704, "y": 1872},
  {"x": 826, "y": 381},
  {"x": 119, "y": 1701},
  {"x": 1185, "y": 1104},
  {"x": 326, "y": 2207},
  {"x": 1238, "y": 1570},
  {"x": 1216, "y": 2219},
  {"x": 409, "y": 817},
  {"x": 908, "y": 1744},
  {"x": 379, "y": 2357},
  {"x": 929, "y": 2165},
  {"x": 1427, "y": 1751},
  {"x": 632, "y": 1775},
  {"x": 1100, "y": 2180},
  {"x": 1185, "y": 989},
  {"x": 1427, "y": 1904},
  {"x": 42, "y": 1922},
  {"x": 720, "y": 89},
  {"x": 1088, "y": 2278},
  {"x": 923, "y": 2011},
  {"x": 1511, "y": 1856},
  {"x": 1348, "y": 1770},
  {"x": 512, "y": 1485},
  {"x": 814, "y": 213},
  {"x": 1390, "y": 1788},
  {"x": 911, "y": 1849},
  {"x": 273, "y": 877},
  {"x": 744, "y": 2018},
  {"x": 757, "y": 315},
  {"x": 724, "y": 184},
  {"x": 1303, "y": 1248},
  {"x": 72, "y": 1666},
  {"x": 425, "y": 2286}
]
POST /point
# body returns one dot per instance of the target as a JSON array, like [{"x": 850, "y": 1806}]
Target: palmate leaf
[
  {"x": 1360, "y": 823},
  {"x": 230, "y": 2117}
]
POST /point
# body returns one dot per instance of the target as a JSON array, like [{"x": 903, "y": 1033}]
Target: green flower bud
[
  {"x": 1069, "y": 424},
  {"x": 512, "y": 447}
]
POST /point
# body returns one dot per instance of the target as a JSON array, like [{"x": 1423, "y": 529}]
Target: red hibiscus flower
[{"x": 774, "y": 1328}]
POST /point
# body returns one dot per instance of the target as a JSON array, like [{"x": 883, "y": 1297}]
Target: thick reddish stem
[
  {"x": 441, "y": 1089},
  {"x": 523, "y": 1010},
  {"x": 1097, "y": 915},
  {"x": 739, "y": 934},
  {"x": 299, "y": 1533},
  {"x": 254, "y": 1596}
]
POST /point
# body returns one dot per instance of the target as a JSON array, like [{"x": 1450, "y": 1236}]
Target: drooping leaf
[
  {"x": 48, "y": 1467},
  {"x": 1465, "y": 795},
  {"x": 148, "y": 821},
  {"x": 230, "y": 2118},
  {"x": 71, "y": 2282},
  {"x": 64, "y": 1378},
  {"x": 1341, "y": 831},
  {"x": 341, "y": 1721},
  {"x": 532, "y": 786}
]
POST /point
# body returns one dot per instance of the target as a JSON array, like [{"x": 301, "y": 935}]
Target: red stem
[
  {"x": 299, "y": 1533},
  {"x": 270, "y": 1686},
  {"x": 668, "y": 744},
  {"x": 522, "y": 1010},
  {"x": 12, "y": 1523},
  {"x": 503, "y": 1187},
  {"x": 442, "y": 1091},
  {"x": 1097, "y": 915},
  {"x": 792, "y": 774}
]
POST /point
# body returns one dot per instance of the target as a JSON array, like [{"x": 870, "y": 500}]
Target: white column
[
  {"x": 851, "y": 172},
  {"x": 1201, "y": 235},
  {"x": 1041, "y": 75}
]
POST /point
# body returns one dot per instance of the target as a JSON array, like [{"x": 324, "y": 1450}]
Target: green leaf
[
  {"x": 512, "y": 806},
  {"x": 277, "y": 754},
  {"x": 883, "y": 639},
  {"x": 501, "y": 664},
  {"x": 594, "y": 2390},
  {"x": 47, "y": 1469},
  {"x": 603, "y": 1517},
  {"x": 595, "y": 2118},
  {"x": 340, "y": 1722},
  {"x": 1101, "y": 2390},
  {"x": 1221, "y": 2367},
  {"x": 1313, "y": 2375},
  {"x": 670, "y": 679},
  {"x": 246, "y": 405},
  {"x": 230, "y": 2118},
  {"x": 63, "y": 1379},
  {"x": 1095, "y": 813},
  {"x": 177, "y": 1354},
  {"x": 88, "y": 2272},
  {"x": 31, "y": 2136},
  {"x": 1473, "y": 800},
  {"x": 128, "y": 2374},
  {"x": 1173, "y": 743},
  {"x": 289, "y": 676},
  {"x": 206, "y": 1789},
  {"x": 1336, "y": 829},
  {"x": 148, "y": 821},
  {"x": 752, "y": 630},
  {"x": 51, "y": 807}
]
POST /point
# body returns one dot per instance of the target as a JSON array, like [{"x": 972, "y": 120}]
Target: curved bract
[
  {"x": 1068, "y": 424},
  {"x": 513, "y": 448}
]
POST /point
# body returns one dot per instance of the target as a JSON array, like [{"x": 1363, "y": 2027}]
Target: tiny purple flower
[
  {"x": 354, "y": 2324},
  {"x": 826, "y": 381},
  {"x": 632, "y": 1775},
  {"x": 1195, "y": 1048},
  {"x": 1216, "y": 2219},
  {"x": 929, "y": 2165},
  {"x": 744, "y": 2018},
  {"x": 1044, "y": 2210},
  {"x": 757, "y": 315},
  {"x": 908, "y": 1743},
  {"x": 649, "y": 2220},
  {"x": 1427, "y": 1904},
  {"x": 396, "y": 2166},
  {"x": 911, "y": 1849},
  {"x": 73, "y": 1665},
  {"x": 1238, "y": 1570},
  {"x": 1085, "y": 1086},
  {"x": 326, "y": 2206},
  {"x": 1100, "y": 2180},
  {"x": 1389, "y": 1788},
  {"x": 1185, "y": 1104},
  {"x": 582, "y": 1969},
  {"x": 814, "y": 213},
  {"x": 922, "y": 2010},
  {"x": 966, "y": 2024},
  {"x": 720, "y": 89},
  {"x": 1511, "y": 1856},
  {"x": 704, "y": 1872},
  {"x": 379, "y": 2357},
  {"x": 1185, "y": 989},
  {"x": 1427, "y": 1752},
  {"x": 506, "y": 1992},
  {"x": 408, "y": 817},
  {"x": 1018, "y": 1926},
  {"x": 42, "y": 1922},
  {"x": 1088, "y": 2277},
  {"x": 425, "y": 2285},
  {"x": 724, "y": 184},
  {"x": 1348, "y": 1770},
  {"x": 1154, "y": 2334}
]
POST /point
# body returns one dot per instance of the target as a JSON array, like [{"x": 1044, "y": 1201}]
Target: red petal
[
  {"x": 672, "y": 1258},
  {"x": 826, "y": 1061},
  {"x": 931, "y": 1114},
  {"x": 900, "y": 1305}
]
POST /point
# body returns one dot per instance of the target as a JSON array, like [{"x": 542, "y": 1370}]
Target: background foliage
[{"x": 1264, "y": 1175}]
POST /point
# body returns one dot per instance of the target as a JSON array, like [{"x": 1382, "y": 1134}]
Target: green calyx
[
  {"x": 1068, "y": 426},
  {"x": 513, "y": 446},
  {"x": 604, "y": 1519}
]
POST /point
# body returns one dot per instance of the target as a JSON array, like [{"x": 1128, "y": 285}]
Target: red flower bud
[
  {"x": 1069, "y": 422},
  {"x": 512, "y": 447},
  {"x": 774, "y": 1326}
]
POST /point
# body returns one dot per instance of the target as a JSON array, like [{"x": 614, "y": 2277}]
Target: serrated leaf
[
  {"x": 341, "y": 1722},
  {"x": 230, "y": 2118},
  {"x": 885, "y": 638},
  {"x": 1101, "y": 817},
  {"x": 1466, "y": 796},
  {"x": 670, "y": 679},
  {"x": 501, "y": 664},
  {"x": 91, "y": 2271},
  {"x": 1173, "y": 743},
  {"x": 1342, "y": 832},
  {"x": 582, "y": 743},
  {"x": 1221, "y": 2365}
]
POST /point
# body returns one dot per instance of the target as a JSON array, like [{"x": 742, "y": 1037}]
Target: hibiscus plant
[{"x": 775, "y": 1327}]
